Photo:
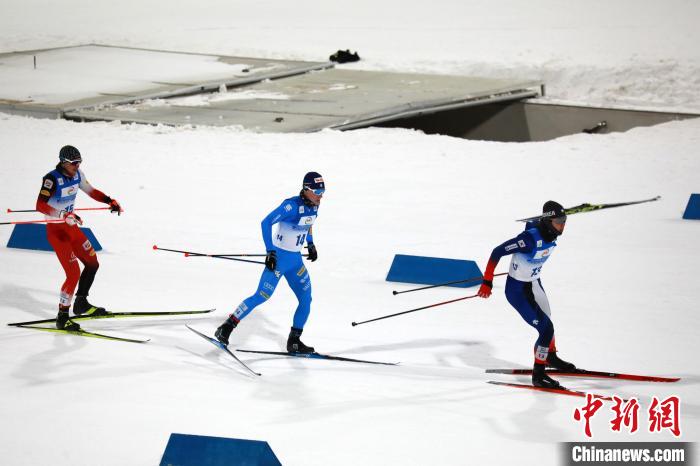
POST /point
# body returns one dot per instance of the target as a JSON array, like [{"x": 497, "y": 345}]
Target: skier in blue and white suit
[
  {"x": 294, "y": 219},
  {"x": 530, "y": 250}
]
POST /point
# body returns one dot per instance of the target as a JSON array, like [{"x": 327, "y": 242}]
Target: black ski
[
  {"x": 115, "y": 315},
  {"x": 560, "y": 390},
  {"x": 222, "y": 347},
  {"x": 585, "y": 373},
  {"x": 83, "y": 333},
  {"x": 318, "y": 356},
  {"x": 591, "y": 207}
]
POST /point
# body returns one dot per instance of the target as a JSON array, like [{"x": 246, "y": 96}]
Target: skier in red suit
[{"x": 56, "y": 200}]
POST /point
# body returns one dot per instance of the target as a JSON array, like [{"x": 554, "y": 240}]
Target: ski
[
  {"x": 115, "y": 315},
  {"x": 591, "y": 207},
  {"x": 83, "y": 333},
  {"x": 222, "y": 347},
  {"x": 559, "y": 390},
  {"x": 318, "y": 356},
  {"x": 586, "y": 373}
]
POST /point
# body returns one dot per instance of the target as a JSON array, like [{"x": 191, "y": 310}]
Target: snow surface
[
  {"x": 627, "y": 53},
  {"x": 200, "y": 100},
  {"x": 623, "y": 283},
  {"x": 66, "y": 75}
]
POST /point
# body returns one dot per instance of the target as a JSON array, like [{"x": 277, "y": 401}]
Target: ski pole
[
  {"x": 12, "y": 211},
  {"x": 33, "y": 221},
  {"x": 414, "y": 310},
  {"x": 194, "y": 254},
  {"x": 191, "y": 253},
  {"x": 473, "y": 279},
  {"x": 200, "y": 254}
]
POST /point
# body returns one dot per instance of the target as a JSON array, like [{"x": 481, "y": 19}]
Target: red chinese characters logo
[
  {"x": 627, "y": 415},
  {"x": 662, "y": 414},
  {"x": 665, "y": 415},
  {"x": 593, "y": 404}
]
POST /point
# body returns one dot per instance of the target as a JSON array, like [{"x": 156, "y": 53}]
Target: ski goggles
[
  {"x": 559, "y": 220},
  {"x": 317, "y": 192}
]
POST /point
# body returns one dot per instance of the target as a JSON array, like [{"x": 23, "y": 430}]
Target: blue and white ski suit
[
  {"x": 524, "y": 288},
  {"x": 293, "y": 220}
]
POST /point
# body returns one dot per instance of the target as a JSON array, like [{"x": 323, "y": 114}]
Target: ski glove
[
  {"x": 313, "y": 254},
  {"x": 485, "y": 289},
  {"x": 115, "y": 207},
  {"x": 72, "y": 219},
  {"x": 271, "y": 260}
]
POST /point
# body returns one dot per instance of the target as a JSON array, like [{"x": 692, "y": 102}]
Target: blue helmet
[{"x": 314, "y": 182}]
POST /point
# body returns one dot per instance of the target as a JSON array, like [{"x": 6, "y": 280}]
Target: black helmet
[
  {"x": 552, "y": 212},
  {"x": 69, "y": 154}
]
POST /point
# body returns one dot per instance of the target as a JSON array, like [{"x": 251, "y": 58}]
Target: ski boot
[
  {"x": 541, "y": 379},
  {"x": 554, "y": 361},
  {"x": 63, "y": 321},
  {"x": 81, "y": 306},
  {"x": 295, "y": 345},
  {"x": 224, "y": 331}
]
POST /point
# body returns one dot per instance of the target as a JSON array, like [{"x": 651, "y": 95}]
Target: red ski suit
[{"x": 55, "y": 199}]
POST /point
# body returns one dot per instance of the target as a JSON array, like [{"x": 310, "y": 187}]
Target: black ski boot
[
  {"x": 63, "y": 321},
  {"x": 81, "y": 306},
  {"x": 559, "y": 364},
  {"x": 224, "y": 331},
  {"x": 295, "y": 345},
  {"x": 541, "y": 379}
]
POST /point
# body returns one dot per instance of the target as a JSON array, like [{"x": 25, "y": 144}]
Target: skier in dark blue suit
[
  {"x": 294, "y": 219},
  {"x": 524, "y": 291}
]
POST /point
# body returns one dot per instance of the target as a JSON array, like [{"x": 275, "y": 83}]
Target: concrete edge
[{"x": 426, "y": 108}]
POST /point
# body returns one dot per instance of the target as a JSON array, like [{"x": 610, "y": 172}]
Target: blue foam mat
[
  {"x": 433, "y": 270},
  {"x": 200, "y": 450},
  {"x": 33, "y": 236},
  {"x": 692, "y": 210}
]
